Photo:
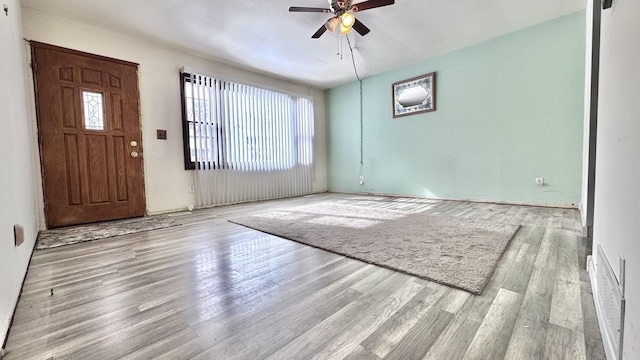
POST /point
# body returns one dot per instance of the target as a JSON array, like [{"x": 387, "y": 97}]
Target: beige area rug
[
  {"x": 452, "y": 251},
  {"x": 76, "y": 234}
]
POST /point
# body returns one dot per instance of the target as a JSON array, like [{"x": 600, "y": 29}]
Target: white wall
[
  {"x": 617, "y": 192},
  {"x": 167, "y": 182},
  {"x": 18, "y": 179}
]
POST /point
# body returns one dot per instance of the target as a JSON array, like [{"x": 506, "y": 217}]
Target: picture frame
[{"x": 414, "y": 96}]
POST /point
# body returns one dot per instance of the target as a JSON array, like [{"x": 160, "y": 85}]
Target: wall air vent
[{"x": 608, "y": 294}]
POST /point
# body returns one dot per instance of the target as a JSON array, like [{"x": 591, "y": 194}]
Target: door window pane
[{"x": 93, "y": 110}]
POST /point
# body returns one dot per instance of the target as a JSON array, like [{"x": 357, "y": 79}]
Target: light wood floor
[{"x": 214, "y": 290}]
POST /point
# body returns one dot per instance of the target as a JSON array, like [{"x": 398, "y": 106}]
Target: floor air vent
[{"x": 608, "y": 294}]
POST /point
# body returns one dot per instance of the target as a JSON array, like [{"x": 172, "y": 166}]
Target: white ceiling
[{"x": 263, "y": 36}]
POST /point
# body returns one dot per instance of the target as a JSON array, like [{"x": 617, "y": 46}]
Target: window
[
  {"x": 233, "y": 126},
  {"x": 93, "y": 112}
]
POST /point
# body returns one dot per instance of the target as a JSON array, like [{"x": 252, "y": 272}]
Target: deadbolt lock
[{"x": 133, "y": 143}]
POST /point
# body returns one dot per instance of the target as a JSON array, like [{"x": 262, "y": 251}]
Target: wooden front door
[{"x": 90, "y": 137}]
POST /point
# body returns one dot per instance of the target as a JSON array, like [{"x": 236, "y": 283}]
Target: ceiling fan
[{"x": 343, "y": 18}]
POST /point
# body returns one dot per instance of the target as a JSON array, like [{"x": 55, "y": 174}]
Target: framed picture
[{"x": 414, "y": 96}]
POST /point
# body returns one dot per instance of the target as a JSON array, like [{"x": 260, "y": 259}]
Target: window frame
[{"x": 188, "y": 164}]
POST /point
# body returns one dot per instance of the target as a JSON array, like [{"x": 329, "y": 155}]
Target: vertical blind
[{"x": 247, "y": 143}]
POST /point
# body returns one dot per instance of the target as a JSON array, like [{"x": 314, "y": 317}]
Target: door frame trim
[{"x": 81, "y": 53}]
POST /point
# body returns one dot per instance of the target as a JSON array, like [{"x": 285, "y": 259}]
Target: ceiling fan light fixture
[
  {"x": 331, "y": 24},
  {"x": 343, "y": 15},
  {"x": 344, "y": 30},
  {"x": 348, "y": 19}
]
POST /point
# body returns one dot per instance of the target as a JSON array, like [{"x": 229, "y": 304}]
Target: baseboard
[
  {"x": 609, "y": 348},
  {"x": 560, "y": 206},
  {"x": 15, "y": 307},
  {"x": 183, "y": 210}
]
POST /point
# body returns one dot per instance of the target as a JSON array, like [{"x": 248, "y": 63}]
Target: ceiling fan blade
[
  {"x": 370, "y": 4},
  {"x": 309, "y": 9},
  {"x": 360, "y": 28},
  {"x": 319, "y": 32}
]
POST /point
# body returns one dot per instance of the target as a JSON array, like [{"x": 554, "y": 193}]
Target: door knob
[{"x": 134, "y": 154}]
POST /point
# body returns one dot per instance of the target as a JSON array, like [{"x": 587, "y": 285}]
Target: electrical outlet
[
  {"x": 361, "y": 180},
  {"x": 192, "y": 188},
  {"x": 539, "y": 181},
  {"x": 18, "y": 234}
]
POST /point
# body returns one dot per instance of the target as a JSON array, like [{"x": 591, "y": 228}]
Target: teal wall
[{"x": 509, "y": 110}]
